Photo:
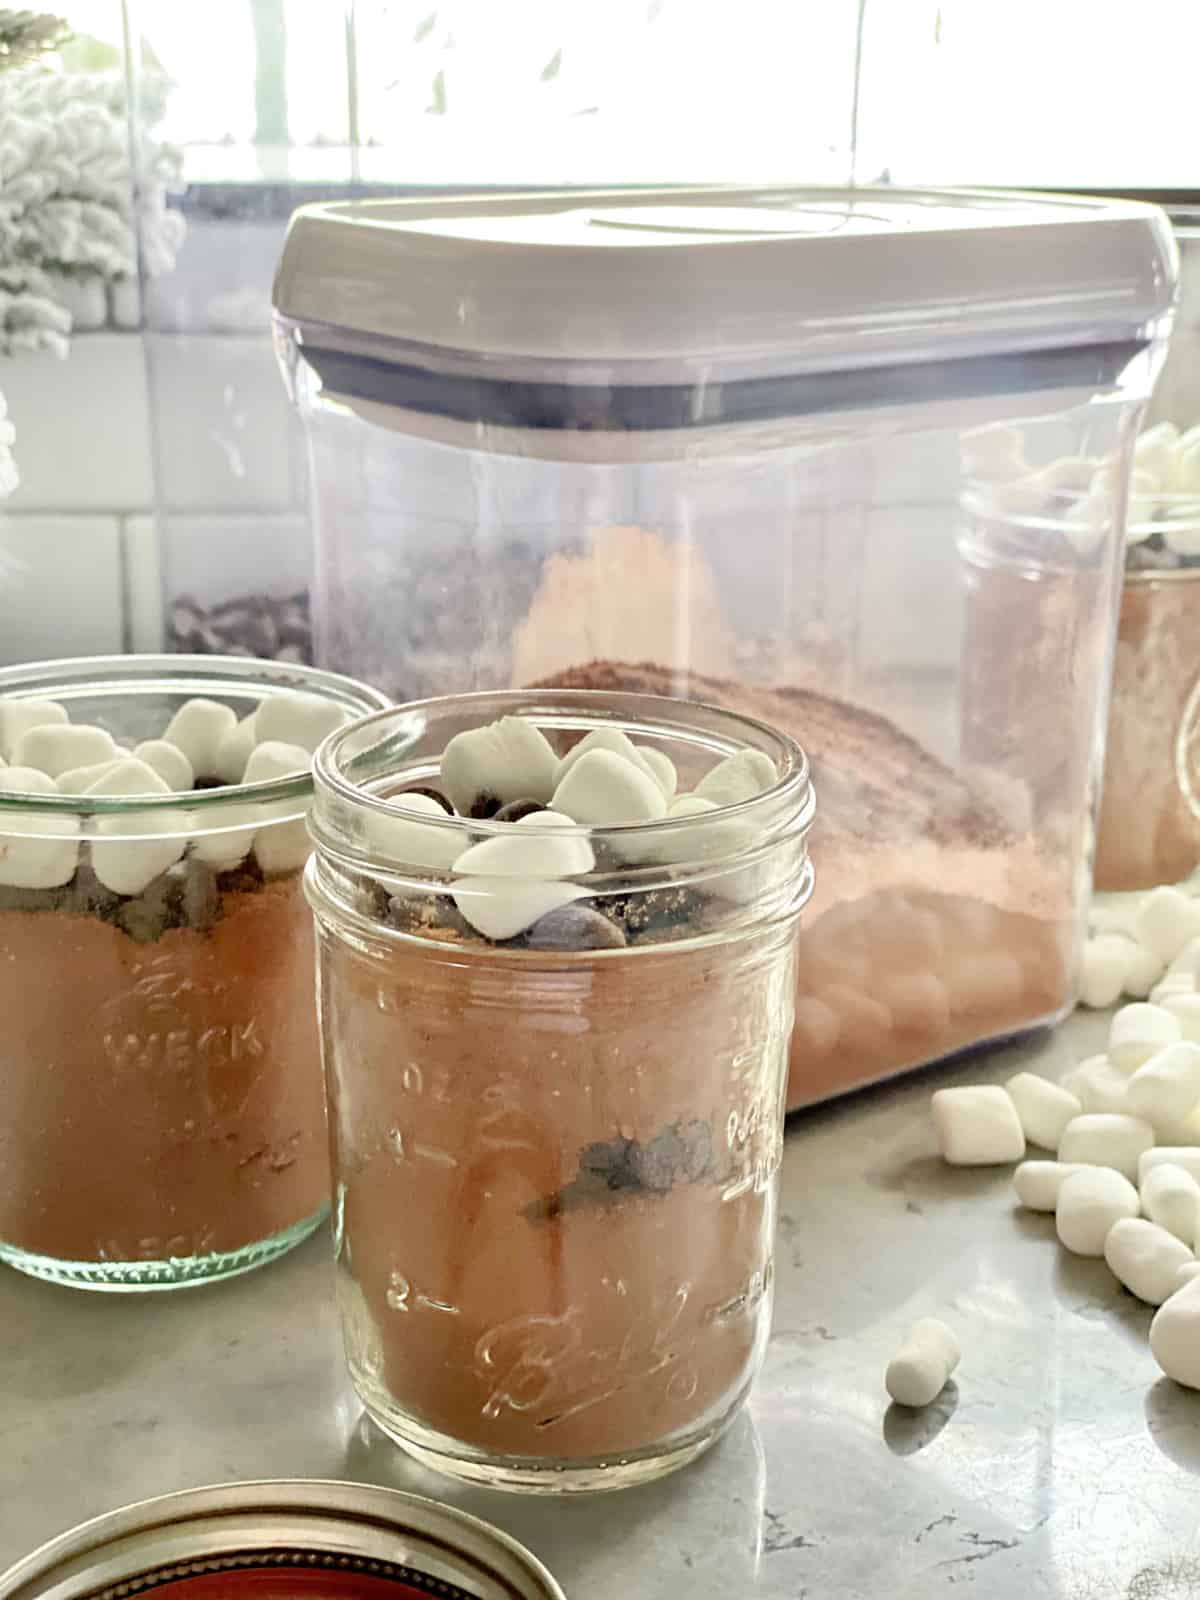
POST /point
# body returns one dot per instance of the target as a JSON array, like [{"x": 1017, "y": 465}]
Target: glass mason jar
[
  {"x": 1149, "y": 830},
  {"x": 162, "y": 1121},
  {"x": 556, "y": 1161}
]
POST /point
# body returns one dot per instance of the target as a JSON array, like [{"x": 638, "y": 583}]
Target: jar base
[
  {"x": 526, "y": 1475},
  {"x": 147, "y": 1277}
]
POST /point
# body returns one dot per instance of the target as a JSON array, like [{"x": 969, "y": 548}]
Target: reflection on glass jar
[
  {"x": 163, "y": 1122},
  {"x": 556, "y": 1169}
]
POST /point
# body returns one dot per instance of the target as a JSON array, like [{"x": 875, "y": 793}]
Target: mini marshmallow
[
  {"x": 1187, "y": 1273},
  {"x": 59, "y": 747},
  {"x": 223, "y": 836},
  {"x": 1171, "y": 1197},
  {"x": 1137, "y": 1032},
  {"x": 506, "y": 760},
  {"x": 169, "y": 761},
  {"x": 1166, "y": 921},
  {"x": 1037, "y": 1183},
  {"x": 663, "y": 769},
  {"x": 1175, "y": 1336},
  {"x": 401, "y": 838},
  {"x": 1100, "y": 1139},
  {"x": 298, "y": 719},
  {"x": 127, "y": 866},
  {"x": 1144, "y": 492},
  {"x": 1166, "y": 1089},
  {"x": 274, "y": 759},
  {"x": 41, "y": 852},
  {"x": 1187, "y": 963},
  {"x": 1097, "y": 1085},
  {"x": 1154, "y": 452},
  {"x": 1144, "y": 972},
  {"x": 607, "y": 739},
  {"x": 977, "y": 1126},
  {"x": 128, "y": 777},
  {"x": 18, "y": 715},
  {"x": 1186, "y": 1156},
  {"x": 603, "y": 788},
  {"x": 922, "y": 1366},
  {"x": 283, "y": 846},
  {"x": 1044, "y": 1108},
  {"x": 80, "y": 779},
  {"x": 737, "y": 778},
  {"x": 500, "y": 908},
  {"x": 529, "y": 853},
  {"x": 1089, "y": 1203},
  {"x": 233, "y": 751},
  {"x": 1181, "y": 532},
  {"x": 1145, "y": 1258},
  {"x": 1103, "y": 968},
  {"x": 1185, "y": 1008},
  {"x": 198, "y": 728}
]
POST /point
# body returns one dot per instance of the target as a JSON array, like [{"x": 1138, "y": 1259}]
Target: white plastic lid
[{"x": 659, "y": 286}]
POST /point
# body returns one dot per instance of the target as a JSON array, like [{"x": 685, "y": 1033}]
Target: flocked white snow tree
[{"x": 71, "y": 210}]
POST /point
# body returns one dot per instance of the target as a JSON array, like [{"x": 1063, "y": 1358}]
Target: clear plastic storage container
[{"x": 798, "y": 453}]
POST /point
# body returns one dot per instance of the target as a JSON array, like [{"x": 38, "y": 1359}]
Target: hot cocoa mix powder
[
  {"x": 162, "y": 1096},
  {"x": 934, "y": 924}
]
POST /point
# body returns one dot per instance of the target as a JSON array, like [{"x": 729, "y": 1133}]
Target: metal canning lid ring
[{"x": 324, "y": 1540}]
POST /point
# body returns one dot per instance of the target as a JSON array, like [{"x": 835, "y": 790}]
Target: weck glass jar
[
  {"x": 163, "y": 1119},
  {"x": 556, "y": 1156}
]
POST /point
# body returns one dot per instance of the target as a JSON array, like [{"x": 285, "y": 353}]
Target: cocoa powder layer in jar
[
  {"x": 556, "y": 1179},
  {"x": 162, "y": 1096},
  {"x": 1148, "y": 834},
  {"x": 934, "y": 923}
]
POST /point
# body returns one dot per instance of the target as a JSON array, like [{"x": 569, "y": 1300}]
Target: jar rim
[{"x": 77, "y": 677}]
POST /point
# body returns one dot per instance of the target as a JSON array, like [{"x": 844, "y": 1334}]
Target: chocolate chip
[
  {"x": 679, "y": 1154},
  {"x": 428, "y": 916},
  {"x": 430, "y": 794},
  {"x": 245, "y": 878},
  {"x": 573, "y": 927},
  {"x": 184, "y": 896},
  {"x": 484, "y": 807},
  {"x": 516, "y": 809},
  {"x": 655, "y": 916}
]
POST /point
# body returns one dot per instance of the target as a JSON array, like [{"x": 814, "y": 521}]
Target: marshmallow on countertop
[
  {"x": 1139, "y": 1031},
  {"x": 233, "y": 752},
  {"x": 1166, "y": 1088},
  {"x": 738, "y": 777},
  {"x": 18, "y": 715},
  {"x": 1171, "y": 1197},
  {"x": 602, "y": 788},
  {"x": 921, "y": 1368},
  {"x": 42, "y": 852},
  {"x": 1097, "y": 1139},
  {"x": 1106, "y": 962},
  {"x": 169, "y": 761},
  {"x": 298, "y": 719},
  {"x": 1037, "y": 1183},
  {"x": 1097, "y": 1085},
  {"x": 1175, "y": 1336},
  {"x": 1166, "y": 921},
  {"x": 1044, "y": 1108},
  {"x": 977, "y": 1126},
  {"x": 483, "y": 768},
  {"x": 198, "y": 728},
  {"x": 501, "y": 908},
  {"x": 58, "y": 747},
  {"x": 127, "y": 864},
  {"x": 530, "y": 852},
  {"x": 1145, "y": 1258},
  {"x": 1090, "y": 1201}
]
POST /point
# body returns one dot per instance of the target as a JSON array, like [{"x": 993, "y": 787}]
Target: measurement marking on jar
[
  {"x": 440, "y": 1158},
  {"x": 412, "y": 1079},
  {"x": 739, "y": 1187},
  {"x": 395, "y": 1141},
  {"x": 399, "y": 1290},
  {"x": 438, "y": 1305}
]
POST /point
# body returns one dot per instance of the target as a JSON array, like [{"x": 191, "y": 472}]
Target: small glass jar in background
[
  {"x": 556, "y": 1161},
  {"x": 162, "y": 1120},
  {"x": 1149, "y": 830}
]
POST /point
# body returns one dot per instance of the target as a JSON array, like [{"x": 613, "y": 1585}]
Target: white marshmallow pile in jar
[
  {"x": 519, "y": 883},
  {"x": 1119, "y": 1166},
  {"x": 85, "y": 786}
]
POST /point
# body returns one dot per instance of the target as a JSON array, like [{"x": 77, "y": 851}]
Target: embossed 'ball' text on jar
[
  {"x": 556, "y": 1168},
  {"x": 162, "y": 1121}
]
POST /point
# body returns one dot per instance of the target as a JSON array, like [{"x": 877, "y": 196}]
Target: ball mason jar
[
  {"x": 556, "y": 1168},
  {"x": 163, "y": 1121}
]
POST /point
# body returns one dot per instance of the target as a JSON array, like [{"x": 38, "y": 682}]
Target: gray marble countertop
[{"x": 1060, "y": 1464}]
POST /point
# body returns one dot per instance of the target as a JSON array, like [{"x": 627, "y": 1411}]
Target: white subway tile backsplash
[
  {"x": 144, "y": 618},
  {"x": 83, "y": 427},
  {"x": 218, "y": 558},
  {"x": 61, "y": 589}
]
